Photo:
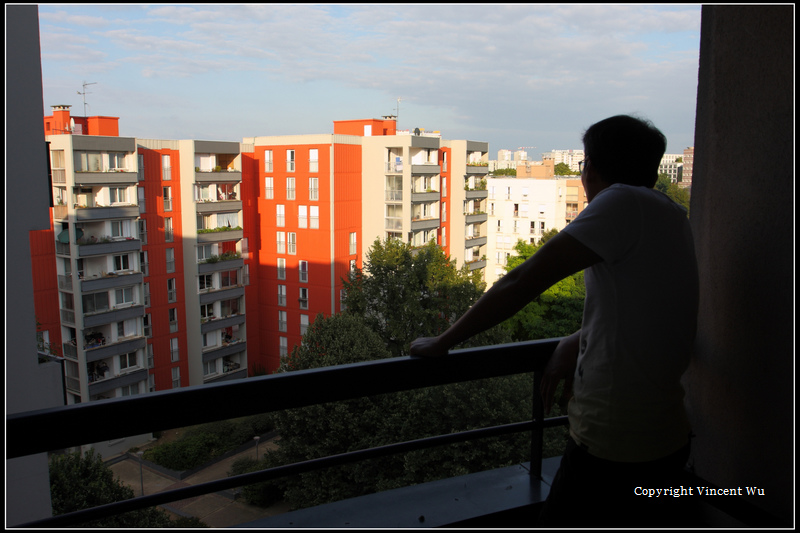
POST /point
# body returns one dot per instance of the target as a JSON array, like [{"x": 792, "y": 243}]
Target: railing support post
[{"x": 537, "y": 433}]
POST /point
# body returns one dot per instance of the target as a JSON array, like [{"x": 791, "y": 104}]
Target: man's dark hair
[{"x": 625, "y": 149}]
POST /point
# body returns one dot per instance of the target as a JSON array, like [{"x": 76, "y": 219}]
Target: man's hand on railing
[
  {"x": 561, "y": 365},
  {"x": 428, "y": 347}
]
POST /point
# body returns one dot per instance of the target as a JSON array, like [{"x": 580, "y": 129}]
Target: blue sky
[{"x": 513, "y": 75}]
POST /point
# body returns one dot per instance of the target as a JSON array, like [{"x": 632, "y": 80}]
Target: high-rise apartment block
[
  {"x": 571, "y": 158},
  {"x": 184, "y": 262}
]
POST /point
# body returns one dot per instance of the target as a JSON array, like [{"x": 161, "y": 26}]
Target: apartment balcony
[
  {"x": 475, "y": 240},
  {"x": 220, "y": 175},
  {"x": 476, "y": 194},
  {"x": 222, "y": 322},
  {"x": 88, "y": 214},
  {"x": 220, "y": 265},
  {"x": 111, "y": 315},
  {"x": 226, "y": 349},
  {"x": 424, "y": 197},
  {"x": 426, "y": 169},
  {"x": 476, "y": 218},
  {"x": 87, "y": 248},
  {"x": 98, "y": 351},
  {"x": 218, "y": 206},
  {"x": 503, "y": 497},
  {"x": 227, "y": 293},
  {"x": 477, "y": 169},
  {"x": 107, "y": 177},
  {"x": 219, "y": 235},
  {"x": 112, "y": 280},
  {"x": 107, "y": 384},
  {"x": 419, "y": 224}
]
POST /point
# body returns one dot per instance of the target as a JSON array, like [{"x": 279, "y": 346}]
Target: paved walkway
[{"x": 215, "y": 509}]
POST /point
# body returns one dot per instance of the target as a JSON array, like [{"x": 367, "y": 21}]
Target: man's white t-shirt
[{"x": 639, "y": 324}]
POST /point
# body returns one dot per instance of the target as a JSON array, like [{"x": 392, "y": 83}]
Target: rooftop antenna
[{"x": 84, "y": 93}]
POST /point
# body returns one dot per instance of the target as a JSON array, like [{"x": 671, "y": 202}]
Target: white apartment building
[
  {"x": 571, "y": 158},
  {"x": 524, "y": 209}
]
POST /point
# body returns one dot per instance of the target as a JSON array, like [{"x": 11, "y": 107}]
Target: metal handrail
[{"x": 27, "y": 432}]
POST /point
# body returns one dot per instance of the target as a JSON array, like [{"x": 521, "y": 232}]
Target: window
[
  {"x": 173, "y": 350},
  {"x": 168, "y": 236},
  {"x": 313, "y": 160},
  {"x": 268, "y": 161},
  {"x": 144, "y": 263},
  {"x": 116, "y": 161},
  {"x": 167, "y": 193},
  {"x": 290, "y": 190},
  {"x": 206, "y": 311},
  {"x": 313, "y": 189},
  {"x": 302, "y": 216},
  {"x": 204, "y": 251},
  {"x": 150, "y": 357},
  {"x": 230, "y": 220},
  {"x": 280, "y": 215},
  {"x": 289, "y": 160},
  {"x": 176, "y": 377},
  {"x": 314, "y": 217},
  {"x": 88, "y": 162},
  {"x": 147, "y": 325},
  {"x": 303, "y": 269},
  {"x": 353, "y": 243},
  {"x": 119, "y": 195},
  {"x": 172, "y": 292},
  {"x": 209, "y": 367},
  {"x": 210, "y": 339},
  {"x": 281, "y": 242},
  {"x": 205, "y": 282},
  {"x": 303, "y": 298},
  {"x": 166, "y": 168},
  {"x": 123, "y": 296},
  {"x": 229, "y": 278},
  {"x": 170, "y": 259},
  {"x": 122, "y": 262},
  {"x": 269, "y": 188},
  {"x": 282, "y": 321},
  {"x": 94, "y": 303},
  {"x": 173, "y": 319},
  {"x": 229, "y": 307},
  {"x": 281, "y": 268},
  {"x": 127, "y": 360},
  {"x": 303, "y": 324},
  {"x": 202, "y": 193},
  {"x": 292, "y": 243},
  {"x": 282, "y": 295},
  {"x": 284, "y": 346},
  {"x": 120, "y": 228},
  {"x": 143, "y": 229},
  {"x": 130, "y": 390}
]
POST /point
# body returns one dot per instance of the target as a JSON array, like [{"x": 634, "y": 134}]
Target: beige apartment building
[{"x": 524, "y": 209}]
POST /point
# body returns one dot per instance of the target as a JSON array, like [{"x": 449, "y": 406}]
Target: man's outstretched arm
[{"x": 561, "y": 256}]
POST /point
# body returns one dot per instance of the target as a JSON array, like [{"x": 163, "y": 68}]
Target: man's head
[{"x": 624, "y": 149}]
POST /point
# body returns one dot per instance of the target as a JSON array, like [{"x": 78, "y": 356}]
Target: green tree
[
  {"x": 556, "y": 312},
  {"x": 82, "y": 481},
  {"x": 322, "y": 430},
  {"x": 504, "y": 172},
  {"x": 562, "y": 169},
  {"x": 404, "y": 293},
  {"x": 679, "y": 195}
]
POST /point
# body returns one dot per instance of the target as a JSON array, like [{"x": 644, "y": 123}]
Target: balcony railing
[
  {"x": 519, "y": 490},
  {"x": 27, "y": 432}
]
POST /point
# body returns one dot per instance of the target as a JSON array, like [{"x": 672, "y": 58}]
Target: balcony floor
[{"x": 442, "y": 503}]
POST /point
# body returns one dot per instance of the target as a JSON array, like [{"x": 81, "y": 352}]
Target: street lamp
[{"x": 257, "y": 438}]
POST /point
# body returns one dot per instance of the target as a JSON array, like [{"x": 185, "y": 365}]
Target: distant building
[
  {"x": 571, "y": 158},
  {"x": 688, "y": 164},
  {"x": 524, "y": 209},
  {"x": 672, "y": 166}
]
